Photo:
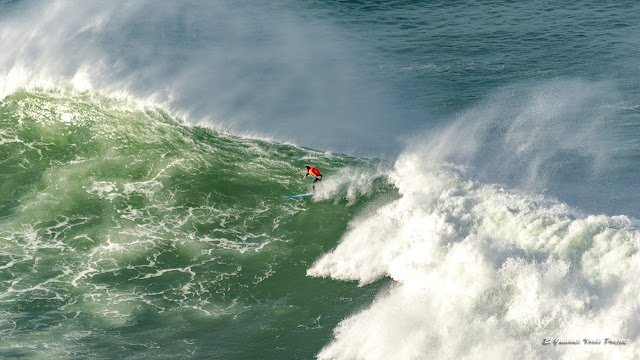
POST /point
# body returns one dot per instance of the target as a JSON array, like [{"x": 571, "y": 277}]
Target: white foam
[
  {"x": 481, "y": 272},
  {"x": 350, "y": 182}
]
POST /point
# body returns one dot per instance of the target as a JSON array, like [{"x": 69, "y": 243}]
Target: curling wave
[{"x": 483, "y": 272}]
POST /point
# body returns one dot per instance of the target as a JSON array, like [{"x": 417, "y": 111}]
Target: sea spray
[
  {"x": 125, "y": 233},
  {"x": 481, "y": 271},
  {"x": 355, "y": 183},
  {"x": 545, "y": 137},
  {"x": 251, "y": 69}
]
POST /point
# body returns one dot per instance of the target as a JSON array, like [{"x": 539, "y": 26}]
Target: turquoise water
[{"x": 480, "y": 165}]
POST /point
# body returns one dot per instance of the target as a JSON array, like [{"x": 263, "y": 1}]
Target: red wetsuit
[
  {"x": 314, "y": 172},
  {"x": 316, "y": 176}
]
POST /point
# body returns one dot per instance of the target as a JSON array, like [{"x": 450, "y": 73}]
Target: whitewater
[
  {"x": 478, "y": 269},
  {"x": 479, "y": 197}
]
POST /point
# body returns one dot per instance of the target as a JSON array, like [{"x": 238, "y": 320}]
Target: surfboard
[{"x": 298, "y": 196}]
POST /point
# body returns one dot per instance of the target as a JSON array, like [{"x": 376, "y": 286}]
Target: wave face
[
  {"x": 126, "y": 232},
  {"x": 145, "y": 147}
]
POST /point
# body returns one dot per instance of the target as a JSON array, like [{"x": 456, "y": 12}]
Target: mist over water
[
  {"x": 506, "y": 211},
  {"x": 555, "y": 138},
  {"x": 256, "y": 69}
]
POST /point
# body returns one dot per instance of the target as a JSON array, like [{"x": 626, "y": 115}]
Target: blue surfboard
[{"x": 298, "y": 196}]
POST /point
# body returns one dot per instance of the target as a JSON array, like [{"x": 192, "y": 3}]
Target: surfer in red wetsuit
[{"x": 315, "y": 173}]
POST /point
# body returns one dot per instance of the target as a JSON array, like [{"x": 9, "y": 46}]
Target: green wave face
[{"x": 125, "y": 232}]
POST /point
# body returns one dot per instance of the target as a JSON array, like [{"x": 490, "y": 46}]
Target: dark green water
[
  {"x": 145, "y": 147},
  {"x": 127, "y": 234}
]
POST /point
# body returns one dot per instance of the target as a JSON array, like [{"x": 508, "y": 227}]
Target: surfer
[{"x": 315, "y": 173}]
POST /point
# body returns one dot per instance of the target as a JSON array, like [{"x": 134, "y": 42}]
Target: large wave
[
  {"x": 118, "y": 215},
  {"x": 486, "y": 262},
  {"x": 483, "y": 272},
  {"x": 115, "y": 215},
  {"x": 256, "y": 68}
]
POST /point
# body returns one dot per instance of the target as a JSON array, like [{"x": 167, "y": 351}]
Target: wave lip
[
  {"x": 483, "y": 272},
  {"x": 278, "y": 75}
]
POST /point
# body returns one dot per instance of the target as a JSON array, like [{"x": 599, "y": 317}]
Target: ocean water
[{"x": 480, "y": 199}]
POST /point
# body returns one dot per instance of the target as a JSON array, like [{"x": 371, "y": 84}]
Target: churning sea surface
[{"x": 480, "y": 199}]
